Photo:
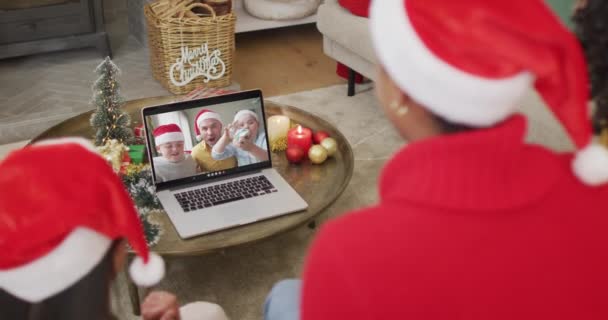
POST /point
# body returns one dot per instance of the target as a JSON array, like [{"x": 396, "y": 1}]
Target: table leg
[
  {"x": 134, "y": 293},
  {"x": 134, "y": 296},
  {"x": 312, "y": 224},
  {"x": 351, "y": 82}
]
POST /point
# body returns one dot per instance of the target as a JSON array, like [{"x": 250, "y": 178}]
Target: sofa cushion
[
  {"x": 350, "y": 31},
  {"x": 281, "y": 10}
]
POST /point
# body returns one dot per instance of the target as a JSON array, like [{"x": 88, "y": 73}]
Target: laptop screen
[{"x": 207, "y": 138}]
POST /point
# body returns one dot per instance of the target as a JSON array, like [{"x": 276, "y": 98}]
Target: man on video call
[{"x": 208, "y": 126}]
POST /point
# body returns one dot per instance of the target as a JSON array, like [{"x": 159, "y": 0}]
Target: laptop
[{"x": 217, "y": 194}]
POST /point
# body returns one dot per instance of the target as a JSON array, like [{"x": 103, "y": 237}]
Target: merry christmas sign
[{"x": 197, "y": 62}]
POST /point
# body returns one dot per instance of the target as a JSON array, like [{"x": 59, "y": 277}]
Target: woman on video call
[{"x": 243, "y": 139}]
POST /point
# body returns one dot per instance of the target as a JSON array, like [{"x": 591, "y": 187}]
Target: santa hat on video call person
[
  {"x": 245, "y": 113},
  {"x": 58, "y": 220},
  {"x": 167, "y": 133},
  {"x": 470, "y": 61},
  {"x": 204, "y": 115}
]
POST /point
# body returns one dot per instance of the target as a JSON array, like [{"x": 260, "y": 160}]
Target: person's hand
[
  {"x": 160, "y": 305},
  {"x": 245, "y": 143},
  {"x": 226, "y": 134}
]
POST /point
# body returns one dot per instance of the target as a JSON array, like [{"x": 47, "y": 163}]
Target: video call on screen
[{"x": 207, "y": 140}]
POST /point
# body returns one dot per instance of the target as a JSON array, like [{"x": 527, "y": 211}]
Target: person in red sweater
[{"x": 473, "y": 222}]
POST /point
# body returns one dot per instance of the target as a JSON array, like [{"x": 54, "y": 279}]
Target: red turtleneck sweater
[{"x": 475, "y": 225}]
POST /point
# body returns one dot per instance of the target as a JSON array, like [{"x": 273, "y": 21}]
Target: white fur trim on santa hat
[
  {"x": 149, "y": 274},
  {"x": 207, "y": 115},
  {"x": 451, "y": 93},
  {"x": 59, "y": 269},
  {"x": 244, "y": 113},
  {"x": 168, "y": 137},
  {"x": 87, "y": 144},
  {"x": 590, "y": 165}
]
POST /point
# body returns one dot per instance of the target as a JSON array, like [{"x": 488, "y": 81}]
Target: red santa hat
[
  {"x": 202, "y": 115},
  {"x": 167, "y": 133},
  {"x": 57, "y": 220},
  {"x": 470, "y": 61}
]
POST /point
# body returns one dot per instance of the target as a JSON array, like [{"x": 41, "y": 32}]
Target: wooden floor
[
  {"x": 282, "y": 61},
  {"x": 279, "y": 61}
]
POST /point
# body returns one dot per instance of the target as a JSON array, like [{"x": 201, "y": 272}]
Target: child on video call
[
  {"x": 173, "y": 163},
  {"x": 248, "y": 141}
]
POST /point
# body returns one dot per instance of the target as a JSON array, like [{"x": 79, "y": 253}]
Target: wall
[{"x": 137, "y": 20}]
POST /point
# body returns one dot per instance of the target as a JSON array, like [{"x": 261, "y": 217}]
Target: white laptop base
[{"x": 206, "y": 220}]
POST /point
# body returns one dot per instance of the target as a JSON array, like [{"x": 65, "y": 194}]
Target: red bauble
[
  {"x": 294, "y": 154},
  {"x": 319, "y": 136}
]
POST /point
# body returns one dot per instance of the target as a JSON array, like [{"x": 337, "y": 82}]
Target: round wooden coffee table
[{"x": 319, "y": 185}]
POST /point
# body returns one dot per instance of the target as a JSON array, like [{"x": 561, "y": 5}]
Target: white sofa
[{"x": 346, "y": 39}]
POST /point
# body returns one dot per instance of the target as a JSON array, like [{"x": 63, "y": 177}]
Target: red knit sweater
[{"x": 475, "y": 225}]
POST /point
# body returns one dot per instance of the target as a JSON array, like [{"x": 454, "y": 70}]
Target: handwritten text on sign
[{"x": 195, "y": 63}]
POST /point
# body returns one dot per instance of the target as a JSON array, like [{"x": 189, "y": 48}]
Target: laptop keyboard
[{"x": 223, "y": 193}]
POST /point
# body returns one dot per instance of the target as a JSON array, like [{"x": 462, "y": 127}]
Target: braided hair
[{"x": 591, "y": 28}]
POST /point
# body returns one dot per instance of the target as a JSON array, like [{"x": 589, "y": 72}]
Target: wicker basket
[{"x": 189, "y": 50}]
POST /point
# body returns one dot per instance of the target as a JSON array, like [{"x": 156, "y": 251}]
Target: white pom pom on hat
[
  {"x": 590, "y": 165},
  {"x": 147, "y": 274},
  {"x": 471, "y": 61}
]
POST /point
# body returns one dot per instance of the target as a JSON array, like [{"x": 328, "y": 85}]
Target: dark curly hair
[{"x": 591, "y": 28}]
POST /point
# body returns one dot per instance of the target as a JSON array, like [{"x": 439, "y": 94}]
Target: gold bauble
[
  {"x": 113, "y": 151},
  {"x": 330, "y": 145},
  {"x": 317, "y": 154},
  {"x": 133, "y": 168}
]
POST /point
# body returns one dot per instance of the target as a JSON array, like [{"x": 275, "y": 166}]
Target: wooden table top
[{"x": 319, "y": 185}]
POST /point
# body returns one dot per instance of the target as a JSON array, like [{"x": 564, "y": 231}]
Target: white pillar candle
[{"x": 278, "y": 126}]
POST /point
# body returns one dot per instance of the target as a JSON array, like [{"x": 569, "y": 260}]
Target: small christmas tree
[
  {"x": 137, "y": 179},
  {"x": 109, "y": 120}
]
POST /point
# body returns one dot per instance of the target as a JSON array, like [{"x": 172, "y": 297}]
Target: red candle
[{"x": 300, "y": 137}]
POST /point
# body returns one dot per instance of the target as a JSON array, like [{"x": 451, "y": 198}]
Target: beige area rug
[
  {"x": 37, "y": 92},
  {"x": 239, "y": 278}
]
